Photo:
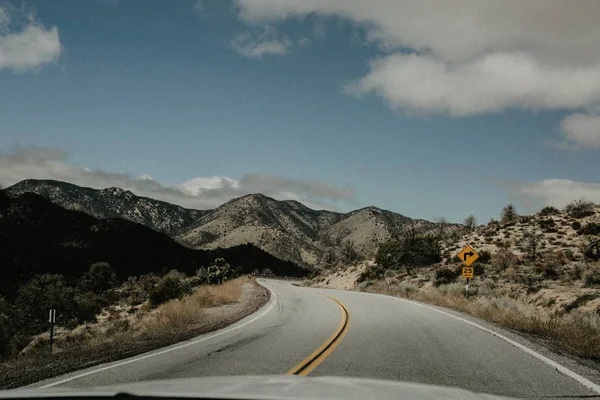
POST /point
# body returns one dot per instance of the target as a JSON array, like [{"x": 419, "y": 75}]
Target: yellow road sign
[
  {"x": 468, "y": 256},
  {"x": 468, "y": 272}
]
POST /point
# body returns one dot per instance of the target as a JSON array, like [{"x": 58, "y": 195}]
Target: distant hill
[
  {"x": 40, "y": 237},
  {"x": 292, "y": 231},
  {"x": 110, "y": 203},
  {"x": 285, "y": 229}
]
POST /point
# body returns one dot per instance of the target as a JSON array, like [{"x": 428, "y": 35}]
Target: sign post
[
  {"x": 468, "y": 256},
  {"x": 52, "y": 320}
]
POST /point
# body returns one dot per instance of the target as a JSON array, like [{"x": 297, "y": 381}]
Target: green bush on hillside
[
  {"x": 409, "y": 250},
  {"x": 168, "y": 288},
  {"x": 580, "y": 208},
  {"x": 444, "y": 276}
]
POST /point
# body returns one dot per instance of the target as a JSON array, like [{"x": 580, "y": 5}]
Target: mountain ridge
[{"x": 287, "y": 229}]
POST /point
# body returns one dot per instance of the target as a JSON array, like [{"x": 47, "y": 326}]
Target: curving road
[{"x": 383, "y": 338}]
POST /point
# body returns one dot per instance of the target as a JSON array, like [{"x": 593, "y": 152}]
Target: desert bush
[
  {"x": 549, "y": 210},
  {"x": 509, "y": 214},
  {"x": 576, "y": 225},
  {"x": 579, "y": 301},
  {"x": 219, "y": 272},
  {"x": 372, "y": 272},
  {"x": 444, "y": 276},
  {"x": 169, "y": 287},
  {"x": 484, "y": 257},
  {"x": 503, "y": 259},
  {"x": 100, "y": 278},
  {"x": 410, "y": 249},
  {"x": 591, "y": 228},
  {"x": 580, "y": 208},
  {"x": 592, "y": 277}
]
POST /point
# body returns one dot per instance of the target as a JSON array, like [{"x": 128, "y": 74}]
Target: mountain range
[
  {"x": 38, "y": 236},
  {"x": 286, "y": 229}
]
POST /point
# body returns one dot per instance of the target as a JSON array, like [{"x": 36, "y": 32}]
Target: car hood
[{"x": 261, "y": 387}]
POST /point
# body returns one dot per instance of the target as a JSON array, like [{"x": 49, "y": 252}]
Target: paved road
[{"x": 387, "y": 338}]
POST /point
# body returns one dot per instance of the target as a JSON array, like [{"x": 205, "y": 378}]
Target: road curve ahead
[{"x": 318, "y": 332}]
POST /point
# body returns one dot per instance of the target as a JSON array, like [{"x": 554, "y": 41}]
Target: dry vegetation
[
  {"x": 208, "y": 308},
  {"x": 532, "y": 276},
  {"x": 577, "y": 332}
]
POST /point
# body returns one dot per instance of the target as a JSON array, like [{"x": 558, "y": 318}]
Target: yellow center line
[{"x": 311, "y": 362}]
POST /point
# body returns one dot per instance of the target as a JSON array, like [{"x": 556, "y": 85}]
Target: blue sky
[{"x": 315, "y": 102}]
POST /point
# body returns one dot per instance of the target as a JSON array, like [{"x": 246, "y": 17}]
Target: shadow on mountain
[{"x": 37, "y": 236}]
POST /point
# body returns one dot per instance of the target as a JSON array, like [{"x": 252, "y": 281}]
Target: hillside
[
  {"x": 38, "y": 236},
  {"x": 110, "y": 203},
  {"x": 551, "y": 229},
  {"x": 286, "y": 229},
  {"x": 292, "y": 231}
]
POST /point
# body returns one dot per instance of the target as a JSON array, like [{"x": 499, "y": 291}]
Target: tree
[
  {"x": 441, "y": 227},
  {"x": 100, "y": 278},
  {"x": 349, "y": 253},
  {"x": 531, "y": 244},
  {"x": 470, "y": 222},
  {"x": 509, "y": 214},
  {"x": 39, "y": 295}
]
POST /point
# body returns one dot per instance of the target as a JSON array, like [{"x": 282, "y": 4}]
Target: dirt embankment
[{"x": 207, "y": 310}]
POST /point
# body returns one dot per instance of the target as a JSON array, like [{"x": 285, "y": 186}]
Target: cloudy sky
[{"x": 427, "y": 108}]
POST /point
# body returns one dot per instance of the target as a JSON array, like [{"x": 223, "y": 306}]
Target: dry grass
[
  {"x": 174, "y": 315},
  {"x": 576, "y": 332}
]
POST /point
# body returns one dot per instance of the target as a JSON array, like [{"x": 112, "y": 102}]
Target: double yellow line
[{"x": 311, "y": 362}]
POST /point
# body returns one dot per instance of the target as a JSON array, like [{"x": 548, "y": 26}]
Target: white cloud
[
  {"x": 556, "y": 192},
  {"x": 198, "y": 6},
  {"x": 258, "y": 45},
  {"x": 468, "y": 56},
  {"x": 200, "y": 192},
  {"x": 29, "y": 47},
  {"x": 491, "y": 83},
  {"x": 582, "y": 130}
]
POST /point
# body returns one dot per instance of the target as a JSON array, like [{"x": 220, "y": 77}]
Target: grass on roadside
[
  {"x": 576, "y": 332},
  {"x": 174, "y": 315}
]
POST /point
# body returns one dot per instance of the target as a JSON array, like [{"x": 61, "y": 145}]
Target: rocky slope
[
  {"x": 110, "y": 203},
  {"x": 292, "y": 231}
]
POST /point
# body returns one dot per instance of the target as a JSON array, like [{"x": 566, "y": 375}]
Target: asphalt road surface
[{"x": 328, "y": 332}]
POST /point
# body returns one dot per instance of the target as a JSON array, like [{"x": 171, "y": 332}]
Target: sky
[{"x": 426, "y": 108}]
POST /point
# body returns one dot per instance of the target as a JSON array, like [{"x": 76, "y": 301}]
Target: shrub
[
  {"x": 580, "y": 208},
  {"x": 592, "y": 277},
  {"x": 100, "y": 278},
  {"x": 591, "y": 228},
  {"x": 503, "y": 259},
  {"x": 484, "y": 257},
  {"x": 549, "y": 210},
  {"x": 349, "y": 252},
  {"x": 409, "y": 249},
  {"x": 576, "y": 225},
  {"x": 444, "y": 276},
  {"x": 169, "y": 287},
  {"x": 569, "y": 255},
  {"x": 371, "y": 273},
  {"x": 37, "y": 296},
  {"x": 219, "y": 272}
]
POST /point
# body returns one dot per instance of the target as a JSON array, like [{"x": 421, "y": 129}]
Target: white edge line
[
  {"x": 272, "y": 302},
  {"x": 562, "y": 369}
]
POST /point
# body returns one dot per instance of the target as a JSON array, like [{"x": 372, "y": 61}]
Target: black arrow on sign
[{"x": 469, "y": 254}]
